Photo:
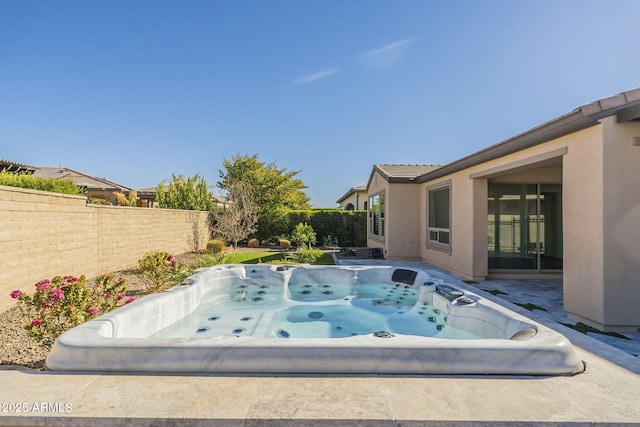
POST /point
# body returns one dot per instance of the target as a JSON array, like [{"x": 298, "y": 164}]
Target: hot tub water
[{"x": 313, "y": 311}]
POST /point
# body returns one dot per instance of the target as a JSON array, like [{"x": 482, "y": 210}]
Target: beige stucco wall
[
  {"x": 599, "y": 169},
  {"x": 583, "y": 275},
  {"x": 403, "y": 227},
  {"x": 468, "y": 255},
  {"x": 602, "y": 228},
  {"x": 46, "y": 234},
  {"x": 621, "y": 224},
  {"x": 600, "y": 174}
]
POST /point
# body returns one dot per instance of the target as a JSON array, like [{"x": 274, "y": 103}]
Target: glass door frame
[{"x": 539, "y": 223}]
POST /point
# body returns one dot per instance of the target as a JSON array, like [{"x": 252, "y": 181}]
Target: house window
[
  {"x": 376, "y": 215},
  {"x": 439, "y": 215}
]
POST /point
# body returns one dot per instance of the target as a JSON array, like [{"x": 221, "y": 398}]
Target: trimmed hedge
[
  {"x": 64, "y": 186},
  {"x": 349, "y": 228}
]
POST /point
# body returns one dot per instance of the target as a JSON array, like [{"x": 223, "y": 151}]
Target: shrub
[
  {"x": 190, "y": 193},
  {"x": 201, "y": 261},
  {"x": 253, "y": 243},
  {"x": 127, "y": 201},
  {"x": 349, "y": 228},
  {"x": 215, "y": 246},
  {"x": 303, "y": 234},
  {"x": 159, "y": 268},
  {"x": 64, "y": 302},
  {"x": 285, "y": 244},
  {"x": 284, "y": 261},
  {"x": 207, "y": 260},
  {"x": 305, "y": 255},
  {"x": 330, "y": 242},
  {"x": 64, "y": 186}
]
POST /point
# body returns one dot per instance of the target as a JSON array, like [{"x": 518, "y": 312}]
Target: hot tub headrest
[{"x": 404, "y": 276}]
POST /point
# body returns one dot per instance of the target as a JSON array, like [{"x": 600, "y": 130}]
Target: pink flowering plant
[
  {"x": 160, "y": 269},
  {"x": 64, "y": 302}
]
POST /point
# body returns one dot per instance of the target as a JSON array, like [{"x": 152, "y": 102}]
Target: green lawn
[
  {"x": 253, "y": 257},
  {"x": 325, "y": 259},
  {"x": 264, "y": 257}
]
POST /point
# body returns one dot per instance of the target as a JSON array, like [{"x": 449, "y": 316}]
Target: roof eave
[
  {"x": 352, "y": 190},
  {"x": 626, "y": 105},
  {"x": 563, "y": 125},
  {"x": 402, "y": 179}
]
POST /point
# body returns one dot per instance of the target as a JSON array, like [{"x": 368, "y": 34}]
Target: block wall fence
[{"x": 46, "y": 234}]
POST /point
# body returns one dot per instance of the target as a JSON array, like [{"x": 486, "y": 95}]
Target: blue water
[{"x": 311, "y": 310}]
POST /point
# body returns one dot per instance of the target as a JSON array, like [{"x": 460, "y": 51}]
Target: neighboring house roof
[
  {"x": 219, "y": 199},
  {"x": 147, "y": 193},
  {"x": 401, "y": 173},
  {"x": 362, "y": 188},
  {"x": 10, "y": 166},
  {"x": 625, "y": 105},
  {"x": 80, "y": 178}
]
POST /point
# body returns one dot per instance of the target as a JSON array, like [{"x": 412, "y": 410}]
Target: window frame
[
  {"x": 437, "y": 243},
  {"x": 376, "y": 222}
]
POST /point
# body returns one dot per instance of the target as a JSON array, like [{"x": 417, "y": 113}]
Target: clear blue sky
[{"x": 137, "y": 90}]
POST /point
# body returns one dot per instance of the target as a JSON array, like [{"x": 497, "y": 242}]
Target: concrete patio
[{"x": 605, "y": 394}]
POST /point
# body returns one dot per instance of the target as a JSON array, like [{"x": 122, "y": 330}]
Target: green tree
[
  {"x": 189, "y": 193},
  {"x": 275, "y": 190},
  {"x": 303, "y": 234}
]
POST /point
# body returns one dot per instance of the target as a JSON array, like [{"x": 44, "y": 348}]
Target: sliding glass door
[{"x": 525, "y": 227}]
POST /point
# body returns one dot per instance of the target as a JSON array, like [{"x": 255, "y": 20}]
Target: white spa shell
[{"x": 120, "y": 341}]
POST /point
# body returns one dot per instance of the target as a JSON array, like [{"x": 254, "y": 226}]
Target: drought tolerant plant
[
  {"x": 202, "y": 260},
  {"x": 64, "y": 302},
  {"x": 285, "y": 244},
  {"x": 305, "y": 255},
  {"x": 206, "y": 260},
  {"x": 253, "y": 243},
  {"x": 215, "y": 246},
  {"x": 159, "y": 268},
  {"x": 131, "y": 200}
]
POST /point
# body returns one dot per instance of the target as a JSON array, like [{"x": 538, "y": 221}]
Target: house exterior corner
[{"x": 560, "y": 200}]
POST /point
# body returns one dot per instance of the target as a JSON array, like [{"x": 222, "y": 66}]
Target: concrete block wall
[{"x": 46, "y": 234}]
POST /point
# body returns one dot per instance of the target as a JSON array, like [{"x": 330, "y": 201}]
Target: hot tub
[{"x": 313, "y": 320}]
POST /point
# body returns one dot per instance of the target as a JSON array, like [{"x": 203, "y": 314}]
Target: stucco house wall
[
  {"x": 357, "y": 199},
  {"x": 468, "y": 255},
  {"x": 583, "y": 284},
  {"x": 403, "y": 228},
  {"x": 621, "y": 218},
  {"x": 354, "y": 199},
  {"x": 600, "y": 175},
  {"x": 591, "y": 223}
]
